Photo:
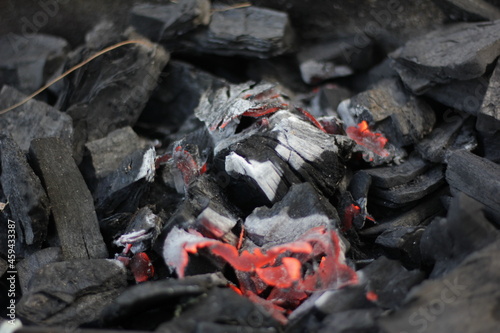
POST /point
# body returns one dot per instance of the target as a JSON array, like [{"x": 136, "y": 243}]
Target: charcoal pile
[{"x": 218, "y": 169}]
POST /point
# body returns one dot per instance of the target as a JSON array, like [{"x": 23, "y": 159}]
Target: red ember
[{"x": 368, "y": 139}]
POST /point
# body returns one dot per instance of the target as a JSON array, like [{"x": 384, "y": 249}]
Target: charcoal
[
  {"x": 488, "y": 119},
  {"x": 30, "y": 60},
  {"x": 121, "y": 190},
  {"x": 222, "y": 306},
  {"x": 142, "y": 230},
  {"x": 164, "y": 22},
  {"x": 351, "y": 321},
  {"x": 177, "y": 95},
  {"x": 366, "y": 80},
  {"x": 103, "y": 156},
  {"x": 307, "y": 155},
  {"x": 327, "y": 100},
  {"x": 459, "y": 51},
  {"x": 4, "y": 266},
  {"x": 28, "y": 202},
  {"x": 419, "y": 187},
  {"x": 359, "y": 185},
  {"x": 415, "y": 216},
  {"x": 478, "y": 10},
  {"x": 387, "y": 177},
  {"x": 27, "y": 267},
  {"x": 463, "y": 300},
  {"x": 114, "y": 92},
  {"x": 484, "y": 186},
  {"x": 166, "y": 294},
  {"x": 301, "y": 209},
  {"x": 72, "y": 293},
  {"x": 206, "y": 327},
  {"x": 466, "y": 96},
  {"x": 251, "y": 31},
  {"x": 403, "y": 242},
  {"x": 337, "y": 58},
  {"x": 446, "y": 242},
  {"x": 444, "y": 139},
  {"x": 491, "y": 146},
  {"x": 219, "y": 226},
  {"x": 344, "y": 299},
  {"x": 32, "y": 120},
  {"x": 401, "y": 117},
  {"x": 70, "y": 200}
]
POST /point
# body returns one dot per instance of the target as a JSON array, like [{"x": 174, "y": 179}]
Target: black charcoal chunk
[
  {"x": 327, "y": 100},
  {"x": 300, "y": 210},
  {"x": 27, "y": 267},
  {"x": 466, "y": 96},
  {"x": 27, "y": 61},
  {"x": 403, "y": 242},
  {"x": 415, "y": 216},
  {"x": 121, "y": 190},
  {"x": 103, "y": 156},
  {"x": 32, "y": 120},
  {"x": 114, "y": 92},
  {"x": 28, "y": 202},
  {"x": 288, "y": 151},
  {"x": 166, "y": 294},
  {"x": 222, "y": 306},
  {"x": 251, "y": 31},
  {"x": 447, "y": 137},
  {"x": 419, "y": 187},
  {"x": 460, "y": 51},
  {"x": 446, "y": 242},
  {"x": 402, "y": 118},
  {"x": 72, "y": 293},
  {"x": 464, "y": 300},
  {"x": 177, "y": 95},
  {"x": 475, "y": 176},
  {"x": 70, "y": 199},
  {"x": 338, "y": 58},
  {"x": 206, "y": 327},
  {"x": 488, "y": 119},
  {"x": 344, "y": 299},
  {"x": 164, "y": 22},
  {"x": 387, "y": 177},
  {"x": 463, "y": 10}
]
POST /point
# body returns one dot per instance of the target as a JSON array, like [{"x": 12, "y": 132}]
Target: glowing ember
[
  {"x": 368, "y": 139},
  {"x": 371, "y": 296},
  {"x": 350, "y": 213},
  {"x": 288, "y": 273},
  {"x": 141, "y": 267}
]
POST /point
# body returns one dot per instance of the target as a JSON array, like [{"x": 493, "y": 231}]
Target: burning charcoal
[
  {"x": 27, "y": 267},
  {"x": 460, "y": 51},
  {"x": 387, "y": 177},
  {"x": 218, "y": 226},
  {"x": 419, "y": 187},
  {"x": 121, "y": 190},
  {"x": 415, "y": 216},
  {"x": 28, "y": 203},
  {"x": 136, "y": 301},
  {"x": 142, "y": 231},
  {"x": 287, "y": 151},
  {"x": 27, "y": 61},
  {"x": 451, "y": 135},
  {"x": 351, "y": 321},
  {"x": 114, "y": 97},
  {"x": 337, "y": 58},
  {"x": 300, "y": 210},
  {"x": 32, "y": 120},
  {"x": 103, "y": 156},
  {"x": 484, "y": 186},
  {"x": 446, "y": 242},
  {"x": 70, "y": 200},
  {"x": 177, "y": 95},
  {"x": 463, "y": 300},
  {"x": 401, "y": 117},
  {"x": 465, "y": 96},
  {"x": 488, "y": 119},
  {"x": 164, "y": 22},
  {"x": 250, "y": 31},
  {"x": 72, "y": 293},
  {"x": 477, "y": 10},
  {"x": 222, "y": 306},
  {"x": 404, "y": 243}
]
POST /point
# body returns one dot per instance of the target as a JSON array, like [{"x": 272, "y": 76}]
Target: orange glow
[{"x": 368, "y": 139}]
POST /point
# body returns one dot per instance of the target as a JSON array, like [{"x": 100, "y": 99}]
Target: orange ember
[{"x": 368, "y": 139}]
